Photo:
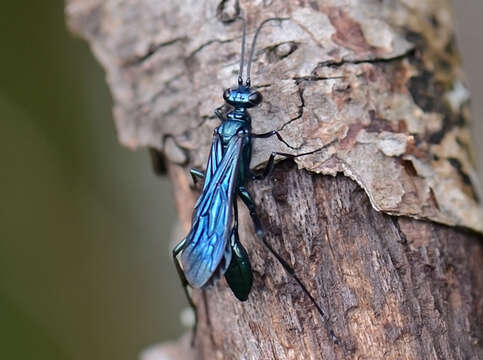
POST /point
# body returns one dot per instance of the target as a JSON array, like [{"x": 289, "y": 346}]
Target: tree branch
[{"x": 372, "y": 93}]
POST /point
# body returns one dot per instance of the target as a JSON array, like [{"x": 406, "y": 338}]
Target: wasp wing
[
  {"x": 216, "y": 155},
  {"x": 212, "y": 217}
]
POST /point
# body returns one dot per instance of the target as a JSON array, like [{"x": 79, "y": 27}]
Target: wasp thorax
[{"x": 243, "y": 96}]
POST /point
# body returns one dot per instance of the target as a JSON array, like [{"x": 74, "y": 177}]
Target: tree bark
[
  {"x": 393, "y": 287},
  {"x": 368, "y": 92}
]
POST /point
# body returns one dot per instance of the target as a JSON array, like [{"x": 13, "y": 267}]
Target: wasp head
[{"x": 242, "y": 97}]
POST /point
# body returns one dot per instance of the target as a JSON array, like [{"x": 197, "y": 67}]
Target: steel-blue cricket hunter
[
  {"x": 207, "y": 243},
  {"x": 212, "y": 247}
]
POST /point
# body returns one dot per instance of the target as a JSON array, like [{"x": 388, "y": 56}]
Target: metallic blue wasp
[{"x": 212, "y": 247}]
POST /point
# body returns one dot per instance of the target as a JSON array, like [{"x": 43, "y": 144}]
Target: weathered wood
[
  {"x": 393, "y": 287},
  {"x": 378, "y": 81}
]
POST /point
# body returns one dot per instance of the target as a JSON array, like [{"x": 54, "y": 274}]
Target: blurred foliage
[{"x": 84, "y": 224}]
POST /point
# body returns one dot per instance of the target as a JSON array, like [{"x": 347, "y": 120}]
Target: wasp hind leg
[
  {"x": 250, "y": 204},
  {"x": 176, "y": 251}
]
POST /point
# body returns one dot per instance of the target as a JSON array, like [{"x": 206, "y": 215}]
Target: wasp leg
[
  {"x": 270, "y": 134},
  {"x": 178, "y": 248},
  {"x": 197, "y": 174},
  {"x": 270, "y": 164},
  {"x": 219, "y": 114},
  {"x": 250, "y": 204},
  {"x": 235, "y": 215}
]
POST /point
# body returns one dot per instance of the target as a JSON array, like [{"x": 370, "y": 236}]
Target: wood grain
[{"x": 393, "y": 287}]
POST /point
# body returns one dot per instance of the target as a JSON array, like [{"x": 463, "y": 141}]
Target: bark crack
[
  {"x": 153, "y": 49},
  {"x": 208, "y": 43},
  {"x": 301, "y": 108},
  {"x": 337, "y": 64}
]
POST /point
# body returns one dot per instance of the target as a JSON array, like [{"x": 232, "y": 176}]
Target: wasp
[{"x": 212, "y": 246}]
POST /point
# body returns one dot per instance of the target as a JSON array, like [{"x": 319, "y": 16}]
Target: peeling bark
[
  {"x": 366, "y": 90},
  {"x": 380, "y": 80}
]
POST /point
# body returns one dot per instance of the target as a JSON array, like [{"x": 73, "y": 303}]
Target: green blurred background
[
  {"x": 85, "y": 271},
  {"x": 85, "y": 226}
]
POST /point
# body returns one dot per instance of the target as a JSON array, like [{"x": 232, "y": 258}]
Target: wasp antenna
[
  {"x": 252, "y": 50},
  {"x": 242, "y": 59}
]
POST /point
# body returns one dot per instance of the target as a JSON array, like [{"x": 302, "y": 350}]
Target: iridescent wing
[
  {"x": 211, "y": 224},
  {"x": 216, "y": 155}
]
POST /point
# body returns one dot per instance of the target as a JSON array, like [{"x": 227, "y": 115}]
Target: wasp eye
[
  {"x": 255, "y": 98},
  {"x": 226, "y": 94}
]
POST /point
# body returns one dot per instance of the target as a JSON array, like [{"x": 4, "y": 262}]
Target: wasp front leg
[
  {"x": 270, "y": 134},
  {"x": 219, "y": 113}
]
